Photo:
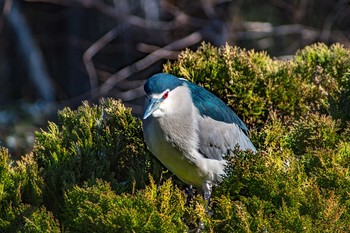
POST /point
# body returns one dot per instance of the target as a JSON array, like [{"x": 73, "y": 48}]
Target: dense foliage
[
  {"x": 316, "y": 79},
  {"x": 91, "y": 172}
]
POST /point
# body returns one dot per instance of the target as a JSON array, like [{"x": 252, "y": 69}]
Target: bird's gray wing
[
  {"x": 211, "y": 106},
  {"x": 217, "y": 138}
]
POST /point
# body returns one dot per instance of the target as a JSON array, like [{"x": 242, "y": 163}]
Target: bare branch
[
  {"x": 266, "y": 29},
  {"x": 127, "y": 71},
  {"x": 130, "y": 94},
  {"x": 148, "y": 60},
  {"x": 92, "y": 50},
  {"x": 146, "y": 48}
]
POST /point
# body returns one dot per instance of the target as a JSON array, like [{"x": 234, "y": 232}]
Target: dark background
[{"x": 57, "y": 53}]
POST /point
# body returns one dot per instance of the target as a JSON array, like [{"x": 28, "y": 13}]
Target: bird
[{"x": 190, "y": 130}]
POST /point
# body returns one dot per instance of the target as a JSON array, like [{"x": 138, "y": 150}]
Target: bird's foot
[{"x": 190, "y": 193}]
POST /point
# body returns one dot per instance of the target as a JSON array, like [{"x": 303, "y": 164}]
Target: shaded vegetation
[{"x": 91, "y": 172}]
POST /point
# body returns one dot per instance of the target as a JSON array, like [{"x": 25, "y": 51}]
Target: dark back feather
[{"x": 211, "y": 106}]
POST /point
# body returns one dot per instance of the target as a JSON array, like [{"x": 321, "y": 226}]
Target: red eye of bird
[{"x": 166, "y": 95}]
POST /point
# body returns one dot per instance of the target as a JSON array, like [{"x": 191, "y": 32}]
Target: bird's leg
[
  {"x": 190, "y": 193},
  {"x": 207, "y": 187},
  {"x": 207, "y": 190}
]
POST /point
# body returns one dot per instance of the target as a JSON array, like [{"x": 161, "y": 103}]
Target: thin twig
[
  {"x": 130, "y": 94},
  {"x": 92, "y": 50},
  {"x": 127, "y": 71},
  {"x": 281, "y": 30},
  {"x": 146, "y": 48},
  {"x": 147, "y": 61}
]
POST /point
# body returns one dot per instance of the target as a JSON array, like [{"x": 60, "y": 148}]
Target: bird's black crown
[{"x": 158, "y": 83}]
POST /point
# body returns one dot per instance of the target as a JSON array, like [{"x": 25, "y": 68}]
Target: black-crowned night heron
[{"x": 190, "y": 130}]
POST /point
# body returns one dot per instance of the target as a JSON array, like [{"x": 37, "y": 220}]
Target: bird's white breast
[{"x": 170, "y": 156}]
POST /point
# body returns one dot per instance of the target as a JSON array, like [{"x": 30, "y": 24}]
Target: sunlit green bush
[
  {"x": 316, "y": 79},
  {"x": 97, "y": 208},
  {"x": 21, "y": 189},
  {"x": 298, "y": 184},
  {"x": 92, "y": 172}
]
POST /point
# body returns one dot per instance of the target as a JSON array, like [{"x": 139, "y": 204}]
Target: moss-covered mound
[{"x": 91, "y": 172}]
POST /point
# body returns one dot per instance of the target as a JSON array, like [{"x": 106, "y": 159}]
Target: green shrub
[
  {"x": 299, "y": 181},
  {"x": 40, "y": 220},
  {"x": 9, "y": 198},
  {"x": 97, "y": 208},
  {"x": 21, "y": 190},
  {"x": 252, "y": 83},
  {"x": 90, "y": 172},
  {"x": 93, "y": 142},
  {"x": 327, "y": 73}
]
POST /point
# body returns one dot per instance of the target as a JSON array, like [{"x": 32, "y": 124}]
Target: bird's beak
[{"x": 153, "y": 105}]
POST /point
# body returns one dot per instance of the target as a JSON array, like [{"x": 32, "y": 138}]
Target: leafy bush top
[
  {"x": 316, "y": 79},
  {"x": 91, "y": 171}
]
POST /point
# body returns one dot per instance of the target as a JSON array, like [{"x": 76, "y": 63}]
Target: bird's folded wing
[{"x": 217, "y": 138}]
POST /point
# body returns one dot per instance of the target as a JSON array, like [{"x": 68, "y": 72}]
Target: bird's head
[{"x": 159, "y": 93}]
